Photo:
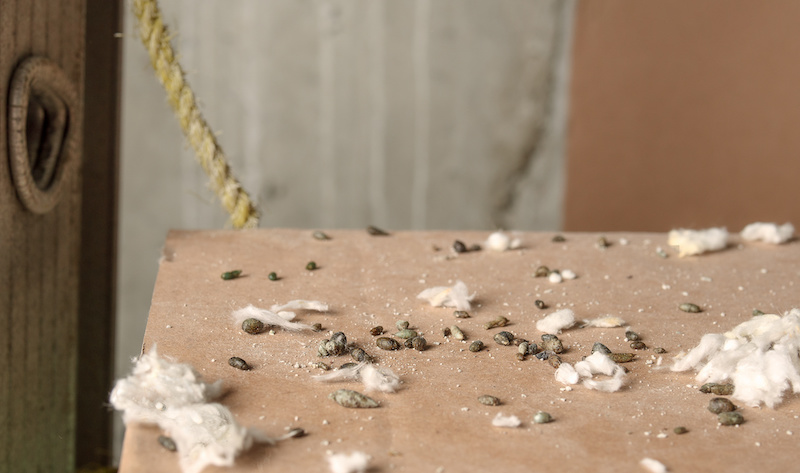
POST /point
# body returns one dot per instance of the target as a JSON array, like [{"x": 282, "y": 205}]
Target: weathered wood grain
[{"x": 39, "y": 259}]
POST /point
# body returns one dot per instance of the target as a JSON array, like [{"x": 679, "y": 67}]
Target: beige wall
[
  {"x": 424, "y": 114},
  {"x": 684, "y": 114}
]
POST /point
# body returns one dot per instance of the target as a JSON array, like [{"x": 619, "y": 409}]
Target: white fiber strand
[
  {"x": 604, "y": 322},
  {"x": 609, "y": 385},
  {"x": 695, "y": 242},
  {"x": 281, "y": 319},
  {"x": 355, "y": 462},
  {"x": 510, "y": 422},
  {"x": 379, "y": 379},
  {"x": 456, "y": 296},
  {"x": 372, "y": 377},
  {"x": 342, "y": 374},
  {"x": 300, "y": 304},
  {"x": 556, "y": 321},
  {"x": 768, "y": 232}
]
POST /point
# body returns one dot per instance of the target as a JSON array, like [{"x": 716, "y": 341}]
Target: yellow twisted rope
[{"x": 209, "y": 153}]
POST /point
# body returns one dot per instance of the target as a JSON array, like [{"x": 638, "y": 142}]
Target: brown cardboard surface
[
  {"x": 435, "y": 423},
  {"x": 683, "y": 113}
]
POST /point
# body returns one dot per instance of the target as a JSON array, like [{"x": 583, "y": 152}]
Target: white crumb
[
  {"x": 568, "y": 274},
  {"x": 653, "y": 466},
  {"x": 499, "y": 241},
  {"x": 355, "y": 462},
  {"x": 506, "y": 421}
]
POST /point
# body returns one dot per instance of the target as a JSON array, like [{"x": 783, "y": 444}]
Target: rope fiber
[{"x": 156, "y": 40}]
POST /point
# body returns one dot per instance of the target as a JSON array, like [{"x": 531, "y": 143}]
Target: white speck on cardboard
[
  {"x": 510, "y": 422},
  {"x": 354, "y": 462}
]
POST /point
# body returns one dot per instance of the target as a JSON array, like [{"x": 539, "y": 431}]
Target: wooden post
[
  {"x": 45, "y": 172},
  {"x": 98, "y": 231}
]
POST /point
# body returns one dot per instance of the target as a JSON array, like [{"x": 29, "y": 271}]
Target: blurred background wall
[{"x": 420, "y": 114}]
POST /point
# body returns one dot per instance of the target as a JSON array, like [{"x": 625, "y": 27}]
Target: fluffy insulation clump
[
  {"x": 768, "y": 232},
  {"x": 172, "y": 396},
  {"x": 594, "y": 364},
  {"x": 456, "y": 296},
  {"x": 499, "y": 241},
  {"x": 372, "y": 377},
  {"x": 556, "y": 321},
  {"x": 355, "y": 462},
  {"x": 278, "y": 315},
  {"x": 695, "y": 242},
  {"x": 157, "y": 384},
  {"x": 759, "y": 356}
]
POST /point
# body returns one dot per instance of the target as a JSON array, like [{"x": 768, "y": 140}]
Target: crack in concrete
[{"x": 542, "y": 129}]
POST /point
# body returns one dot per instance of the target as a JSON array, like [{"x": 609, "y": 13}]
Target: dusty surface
[{"x": 435, "y": 423}]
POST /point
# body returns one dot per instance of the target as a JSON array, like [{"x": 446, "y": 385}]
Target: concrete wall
[{"x": 423, "y": 114}]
